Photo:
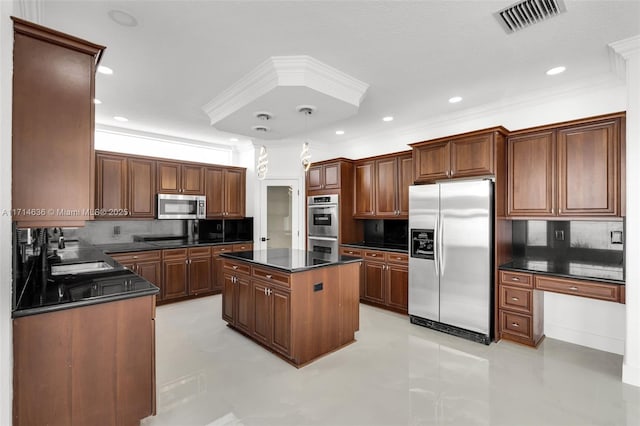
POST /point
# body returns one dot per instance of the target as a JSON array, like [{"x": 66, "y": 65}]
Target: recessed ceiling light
[
  {"x": 97, "y": 101},
  {"x": 123, "y": 18},
  {"x": 556, "y": 70},
  {"x": 387, "y": 118},
  {"x": 104, "y": 70},
  {"x": 120, "y": 118},
  {"x": 339, "y": 132},
  {"x": 455, "y": 99},
  {"x": 233, "y": 140}
]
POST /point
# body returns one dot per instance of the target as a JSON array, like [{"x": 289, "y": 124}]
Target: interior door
[{"x": 280, "y": 225}]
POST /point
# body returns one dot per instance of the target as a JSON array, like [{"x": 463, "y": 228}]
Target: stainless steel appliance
[
  {"x": 174, "y": 206},
  {"x": 450, "y": 263},
  {"x": 322, "y": 223}
]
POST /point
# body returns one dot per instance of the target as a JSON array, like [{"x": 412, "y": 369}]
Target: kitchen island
[{"x": 300, "y": 305}]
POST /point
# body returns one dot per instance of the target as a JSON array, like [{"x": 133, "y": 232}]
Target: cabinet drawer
[
  {"x": 374, "y": 255},
  {"x": 516, "y": 324},
  {"x": 517, "y": 279},
  {"x": 590, "y": 289},
  {"x": 271, "y": 276},
  {"x": 397, "y": 258},
  {"x": 175, "y": 253},
  {"x": 243, "y": 247},
  {"x": 236, "y": 267},
  {"x": 222, "y": 249},
  {"x": 350, "y": 251},
  {"x": 200, "y": 252},
  {"x": 137, "y": 256},
  {"x": 516, "y": 299}
]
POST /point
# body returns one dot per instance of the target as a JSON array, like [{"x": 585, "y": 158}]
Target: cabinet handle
[
  {"x": 573, "y": 288},
  {"x": 350, "y": 252},
  {"x": 234, "y": 267},
  {"x": 268, "y": 276},
  {"x": 186, "y": 261},
  {"x": 373, "y": 255},
  {"x": 515, "y": 279},
  {"x": 515, "y": 324},
  {"x": 135, "y": 257},
  {"x": 515, "y": 299},
  {"x": 265, "y": 291},
  {"x": 269, "y": 292}
]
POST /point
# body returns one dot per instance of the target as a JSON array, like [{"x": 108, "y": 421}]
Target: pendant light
[
  {"x": 263, "y": 161},
  {"x": 305, "y": 155}
]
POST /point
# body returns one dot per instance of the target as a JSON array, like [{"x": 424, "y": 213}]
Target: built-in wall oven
[{"x": 322, "y": 223}]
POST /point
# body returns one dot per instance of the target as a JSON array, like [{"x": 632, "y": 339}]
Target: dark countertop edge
[
  {"x": 82, "y": 303},
  {"x": 150, "y": 246},
  {"x": 507, "y": 267},
  {"x": 374, "y": 247},
  {"x": 343, "y": 261}
]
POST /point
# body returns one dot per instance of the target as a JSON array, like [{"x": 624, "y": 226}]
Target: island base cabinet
[
  {"x": 272, "y": 317},
  {"x": 86, "y": 366},
  {"x": 237, "y": 302}
]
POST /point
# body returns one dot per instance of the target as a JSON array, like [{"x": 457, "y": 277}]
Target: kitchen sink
[{"x": 80, "y": 268}]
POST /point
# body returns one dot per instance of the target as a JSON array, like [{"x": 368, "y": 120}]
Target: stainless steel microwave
[{"x": 174, "y": 206}]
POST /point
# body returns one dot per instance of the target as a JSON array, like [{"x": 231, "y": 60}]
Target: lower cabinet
[
  {"x": 272, "y": 316},
  {"x": 186, "y": 271},
  {"x": 216, "y": 261},
  {"x": 237, "y": 301},
  {"x": 385, "y": 279},
  {"x": 147, "y": 264},
  {"x": 91, "y": 365}
]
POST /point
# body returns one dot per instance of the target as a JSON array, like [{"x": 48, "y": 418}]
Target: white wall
[{"x": 6, "y": 67}]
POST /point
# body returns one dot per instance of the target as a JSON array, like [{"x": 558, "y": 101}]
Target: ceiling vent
[{"x": 528, "y": 12}]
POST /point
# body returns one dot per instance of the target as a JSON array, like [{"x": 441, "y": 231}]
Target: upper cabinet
[
  {"x": 142, "y": 188},
  {"x": 324, "y": 176},
  {"x": 467, "y": 155},
  {"x": 382, "y": 186},
  {"x": 178, "y": 178},
  {"x": 225, "y": 192},
  {"x": 568, "y": 170},
  {"x": 53, "y": 124}
]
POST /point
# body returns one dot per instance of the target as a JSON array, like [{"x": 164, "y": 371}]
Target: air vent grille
[{"x": 528, "y": 12}]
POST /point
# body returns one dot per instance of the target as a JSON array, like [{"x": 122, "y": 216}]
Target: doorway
[{"x": 279, "y": 214}]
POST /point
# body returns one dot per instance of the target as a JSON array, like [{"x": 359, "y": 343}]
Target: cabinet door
[
  {"x": 142, "y": 188},
  {"x": 398, "y": 286},
  {"x": 280, "y": 321},
  {"x": 175, "y": 276},
  {"x": 150, "y": 271},
  {"x": 314, "y": 178},
  {"x": 331, "y": 176},
  {"x": 472, "y": 156},
  {"x": 199, "y": 275},
  {"x": 364, "y": 189},
  {"x": 111, "y": 183},
  {"x": 374, "y": 279},
  {"x": 192, "y": 180},
  {"x": 261, "y": 313},
  {"x": 169, "y": 178},
  {"x": 244, "y": 302},
  {"x": 405, "y": 180},
  {"x": 214, "y": 191},
  {"x": 228, "y": 298},
  {"x": 531, "y": 174},
  {"x": 234, "y": 193},
  {"x": 431, "y": 162},
  {"x": 386, "y": 182},
  {"x": 588, "y": 170}
]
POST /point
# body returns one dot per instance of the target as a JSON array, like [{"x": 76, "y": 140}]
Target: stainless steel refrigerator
[{"x": 451, "y": 257}]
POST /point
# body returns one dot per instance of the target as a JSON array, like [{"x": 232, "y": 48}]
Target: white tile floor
[{"x": 395, "y": 374}]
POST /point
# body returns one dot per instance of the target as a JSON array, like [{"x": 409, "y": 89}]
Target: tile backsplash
[
  {"x": 594, "y": 241},
  {"x": 122, "y": 231}
]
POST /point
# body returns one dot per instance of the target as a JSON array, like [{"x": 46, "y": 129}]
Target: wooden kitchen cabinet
[
  {"x": 147, "y": 264},
  {"x": 178, "y": 178},
  {"x": 200, "y": 270},
  {"x": 271, "y": 316},
  {"x": 111, "y": 184},
  {"x": 364, "y": 190},
  {"x": 521, "y": 314},
  {"x": 175, "y": 274},
  {"x": 355, "y": 252},
  {"x": 467, "y": 155},
  {"x": 323, "y": 176},
  {"x": 374, "y": 281},
  {"x": 567, "y": 170},
  {"x": 142, "y": 188},
  {"x": 87, "y": 365},
  {"x": 397, "y": 281},
  {"x": 53, "y": 173},
  {"x": 237, "y": 300},
  {"x": 225, "y": 192}
]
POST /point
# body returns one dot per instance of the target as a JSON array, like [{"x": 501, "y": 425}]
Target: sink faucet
[{"x": 61, "y": 239}]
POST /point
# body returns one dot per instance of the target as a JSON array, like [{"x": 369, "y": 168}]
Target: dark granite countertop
[
  {"x": 608, "y": 273},
  {"x": 379, "y": 246},
  {"x": 291, "y": 260},
  {"x": 162, "y": 244}
]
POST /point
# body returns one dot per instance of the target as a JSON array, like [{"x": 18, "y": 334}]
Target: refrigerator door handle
[
  {"x": 441, "y": 241},
  {"x": 436, "y": 250}
]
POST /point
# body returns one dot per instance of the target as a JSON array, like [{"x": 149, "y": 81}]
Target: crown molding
[
  {"x": 31, "y": 10},
  {"x": 620, "y": 51},
  {"x": 285, "y": 71}
]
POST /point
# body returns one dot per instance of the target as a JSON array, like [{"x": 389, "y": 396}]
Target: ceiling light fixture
[
  {"x": 233, "y": 140},
  {"x": 556, "y": 70},
  {"x": 339, "y": 132},
  {"x": 455, "y": 99},
  {"x": 262, "y": 129},
  {"x": 97, "y": 101},
  {"x": 104, "y": 70},
  {"x": 121, "y": 118},
  {"x": 123, "y": 18},
  {"x": 387, "y": 118},
  {"x": 305, "y": 155},
  {"x": 263, "y": 161},
  {"x": 263, "y": 115}
]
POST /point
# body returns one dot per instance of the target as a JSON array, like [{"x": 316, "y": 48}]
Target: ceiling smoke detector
[
  {"x": 525, "y": 13},
  {"x": 261, "y": 129},
  {"x": 263, "y": 115}
]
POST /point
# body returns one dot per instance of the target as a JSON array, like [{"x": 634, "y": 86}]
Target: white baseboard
[{"x": 583, "y": 338}]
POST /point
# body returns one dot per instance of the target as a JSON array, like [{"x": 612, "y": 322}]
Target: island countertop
[{"x": 291, "y": 260}]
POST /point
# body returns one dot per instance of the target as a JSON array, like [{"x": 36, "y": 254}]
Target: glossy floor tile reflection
[{"x": 395, "y": 374}]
